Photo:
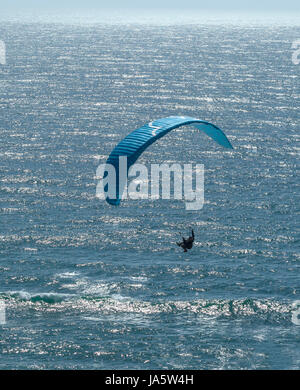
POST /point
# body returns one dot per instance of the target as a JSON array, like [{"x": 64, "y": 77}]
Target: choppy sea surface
[{"x": 91, "y": 286}]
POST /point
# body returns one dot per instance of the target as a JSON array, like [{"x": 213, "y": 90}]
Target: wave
[
  {"x": 47, "y": 297},
  {"x": 117, "y": 304}
]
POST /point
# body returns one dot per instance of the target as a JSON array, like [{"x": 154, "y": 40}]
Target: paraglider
[
  {"x": 134, "y": 144},
  {"x": 187, "y": 243}
]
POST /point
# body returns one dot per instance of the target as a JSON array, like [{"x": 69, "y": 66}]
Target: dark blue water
[{"x": 87, "y": 285}]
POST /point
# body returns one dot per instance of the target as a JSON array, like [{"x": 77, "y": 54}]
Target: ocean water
[{"x": 92, "y": 286}]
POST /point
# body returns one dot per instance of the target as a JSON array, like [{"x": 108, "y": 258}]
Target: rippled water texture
[{"x": 88, "y": 285}]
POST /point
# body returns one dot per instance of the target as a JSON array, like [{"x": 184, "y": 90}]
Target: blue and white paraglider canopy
[{"x": 135, "y": 143}]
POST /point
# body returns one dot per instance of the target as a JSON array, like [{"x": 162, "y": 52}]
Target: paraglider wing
[{"x": 134, "y": 144}]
